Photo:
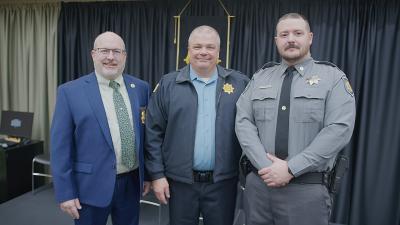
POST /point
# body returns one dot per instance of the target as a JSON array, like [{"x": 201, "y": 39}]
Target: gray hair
[
  {"x": 207, "y": 29},
  {"x": 107, "y": 33}
]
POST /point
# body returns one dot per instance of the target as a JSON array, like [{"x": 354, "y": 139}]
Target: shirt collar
[
  {"x": 195, "y": 76},
  {"x": 103, "y": 81},
  {"x": 300, "y": 67}
]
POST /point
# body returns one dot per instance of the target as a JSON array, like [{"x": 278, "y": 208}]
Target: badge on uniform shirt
[
  {"x": 313, "y": 80},
  {"x": 155, "y": 89},
  {"x": 347, "y": 86},
  {"x": 228, "y": 88}
]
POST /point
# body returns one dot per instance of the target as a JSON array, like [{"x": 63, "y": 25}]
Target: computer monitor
[{"x": 16, "y": 124}]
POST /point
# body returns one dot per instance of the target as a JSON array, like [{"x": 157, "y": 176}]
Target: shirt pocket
[
  {"x": 309, "y": 105},
  {"x": 264, "y": 104}
]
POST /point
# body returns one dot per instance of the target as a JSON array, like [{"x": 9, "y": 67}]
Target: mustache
[{"x": 292, "y": 46}]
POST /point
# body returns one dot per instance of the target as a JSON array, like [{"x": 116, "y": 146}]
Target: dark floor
[{"x": 41, "y": 209}]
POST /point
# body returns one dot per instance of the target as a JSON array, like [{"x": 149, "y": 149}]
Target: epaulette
[
  {"x": 325, "y": 63},
  {"x": 227, "y": 69},
  {"x": 268, "y": 65},
  {"x": 240, "y": 72}
]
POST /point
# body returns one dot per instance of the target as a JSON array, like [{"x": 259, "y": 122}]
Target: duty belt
[
  {"x": 307, "y": 178},
  {"x": 203, "y": 176}
]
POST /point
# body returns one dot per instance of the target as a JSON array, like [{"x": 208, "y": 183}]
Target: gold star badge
[
  {"x": 228, "y": 88},
  {"x": 313, "y": 80}
]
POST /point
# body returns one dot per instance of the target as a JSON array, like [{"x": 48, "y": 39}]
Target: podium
[{"x": 16, "y": 169}]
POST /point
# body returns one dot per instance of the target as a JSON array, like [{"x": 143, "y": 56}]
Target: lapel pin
[{"x": 133, "y": 85}]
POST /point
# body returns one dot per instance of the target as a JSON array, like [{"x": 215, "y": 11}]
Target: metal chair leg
[
  {"x": 33, "y": 176},
  {"x": 42, "y": 160}
]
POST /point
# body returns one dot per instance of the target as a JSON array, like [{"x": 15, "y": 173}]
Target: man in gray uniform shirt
[{"x": 292, "y": 120}]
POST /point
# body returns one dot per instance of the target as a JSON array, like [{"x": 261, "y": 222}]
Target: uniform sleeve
[
  {"x": 246, "y": 130},
  {"x": 338, "y": 127},
  {"x": 156, "y": 123},
  {"x": 62, "y": 149}
]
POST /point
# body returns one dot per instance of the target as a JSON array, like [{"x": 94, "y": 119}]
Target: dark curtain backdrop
[
  {"x": 362, "y": 37},
  {"x": 146, "y": 27}
]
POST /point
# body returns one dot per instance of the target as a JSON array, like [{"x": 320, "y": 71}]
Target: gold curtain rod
[
  {"x": 223, "y": 6},
  {"x": 177, "y": 20},
  {"x": 184, "y": 8}
]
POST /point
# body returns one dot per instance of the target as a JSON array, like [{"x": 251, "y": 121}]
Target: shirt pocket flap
[
  {"x": 262, "y": 94},
  {"x": 311, "y": 93},
  {"x": 83, "y": 167}
]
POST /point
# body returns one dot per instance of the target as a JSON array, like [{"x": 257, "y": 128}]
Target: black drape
[
  {"x": 362, "y": 37},
  {"x": 146, "y": 27},
  {"x": 188, "y": 23}
]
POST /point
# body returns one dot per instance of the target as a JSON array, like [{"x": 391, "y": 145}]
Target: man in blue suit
[{"x": 97, "y": 140}]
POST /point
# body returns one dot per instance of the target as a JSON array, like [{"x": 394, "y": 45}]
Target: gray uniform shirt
[{"x": 321, "y": 120}]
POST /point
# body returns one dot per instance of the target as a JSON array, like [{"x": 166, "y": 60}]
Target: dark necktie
[
  {"x": 125, "y": 128},
  {"x": 282, "y": 125}
]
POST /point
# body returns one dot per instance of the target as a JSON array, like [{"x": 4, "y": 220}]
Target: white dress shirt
[{"x": 107, "y": 97}]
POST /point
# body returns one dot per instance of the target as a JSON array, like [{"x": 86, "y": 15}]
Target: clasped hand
[{"x": 277, "y": 174}]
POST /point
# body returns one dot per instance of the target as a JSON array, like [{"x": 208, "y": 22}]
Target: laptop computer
[{"x": 15, "y": 124}]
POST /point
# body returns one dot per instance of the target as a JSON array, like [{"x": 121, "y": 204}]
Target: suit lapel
[
  {"x": 133, "y": 99},
  {"x": 94, "y": 96}
]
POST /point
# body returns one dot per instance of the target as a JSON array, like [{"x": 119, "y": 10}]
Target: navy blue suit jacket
[{"x": 83, "y": 160}]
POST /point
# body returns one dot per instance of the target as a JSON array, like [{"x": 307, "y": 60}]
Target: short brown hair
[{"x": 295, "y": 16}]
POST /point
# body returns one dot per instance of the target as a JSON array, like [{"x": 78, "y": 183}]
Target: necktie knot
[
  {"x": 290, "y": 70},
  {"x": 114, "y": 85}
]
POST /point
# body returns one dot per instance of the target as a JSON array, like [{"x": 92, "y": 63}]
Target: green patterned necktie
[{"x": 125, "y": 129}]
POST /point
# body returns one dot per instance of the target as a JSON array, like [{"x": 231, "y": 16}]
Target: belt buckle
[{"x": 202, "y": 176}]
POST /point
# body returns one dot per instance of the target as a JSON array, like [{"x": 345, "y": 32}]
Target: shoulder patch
[
  {"x": 325, "y": 63},
  {"x": 267, "y": 65},
  {"x": 347, "y": 86}
]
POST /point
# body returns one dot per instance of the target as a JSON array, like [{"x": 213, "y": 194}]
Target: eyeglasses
[{"x": 106, "y": 51}]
